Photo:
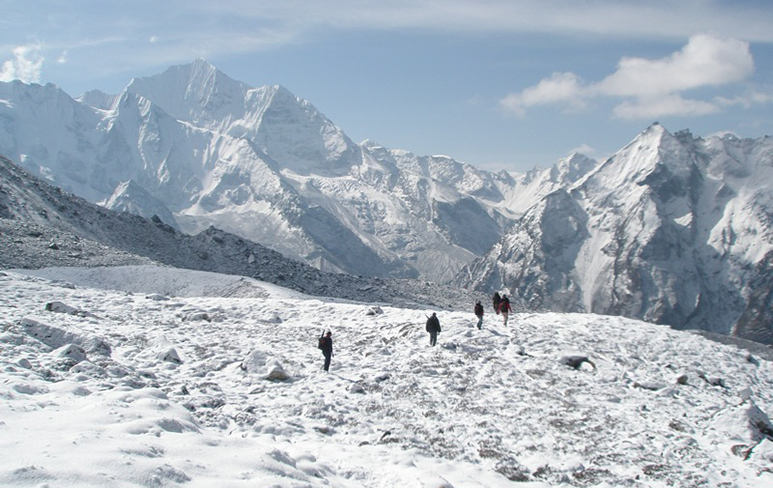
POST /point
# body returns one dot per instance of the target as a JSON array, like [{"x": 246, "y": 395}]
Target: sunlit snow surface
[{"x": 143, "y": 376}]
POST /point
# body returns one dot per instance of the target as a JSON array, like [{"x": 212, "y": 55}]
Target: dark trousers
[
  {"x": 327, "y": 361},
  {"x": 432, "y": 337},
  {"x": 480, "y": 321}
]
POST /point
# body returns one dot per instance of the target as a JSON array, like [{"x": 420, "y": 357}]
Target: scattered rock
[
  {"x": 713, "y": 381},
  {"x": 680, "y": 426},
  {"x": 382, "y": 377},
  {"x": 576, "y": 361},
  {"x": 255, "y": 362},
  {"x": 55, "y": 337},
  {"x": 157, "y": 298},
  {"x": 60, "y": 307},
  {"x": 374, "y": 311},
  {"x": 275, "y": 372},
  {"x": 649, "y": 385},
  {"x": 89, "y": 369},
  {"x": 745, "y": 422},
  {"x": 170, "y": 355},
  {"x": 71, "y": 351},
  {"x": 197, "y": 317}
]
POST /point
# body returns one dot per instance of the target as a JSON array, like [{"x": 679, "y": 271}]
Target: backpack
[{"x": 321, "y": 343}]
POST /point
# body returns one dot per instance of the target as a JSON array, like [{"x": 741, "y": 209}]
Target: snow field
[{"x": 181, "y": 397}]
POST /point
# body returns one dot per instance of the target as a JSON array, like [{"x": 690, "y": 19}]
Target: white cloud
[
  {"x": 653, "y": 88},
  {"x": 562, "y": 88},
  {"x": 704, "y": 61},
  {"x": 26, "y": 65}
]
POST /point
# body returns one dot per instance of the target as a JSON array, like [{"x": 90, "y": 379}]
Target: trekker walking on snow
[
  {"x": 479, "y": 313},
  {"x": 326, "y": 344},
  {"x": 433, "y": 327},
  {"x": 496, "y": 301},
  {"x": 504, "y": 308}
]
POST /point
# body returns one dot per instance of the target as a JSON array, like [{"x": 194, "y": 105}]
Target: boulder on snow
[
  {"x": 276, "y": 372},
  {"x": 272, "y": 318},
  {"x": 255, "y": 362},
  {"x": 746, "y": 424},
  {"x": 157, "y": 298},
  {"x": 60, "y": 307},
  {"x": 197, "y": 317},
  {"x": 170, "y": 356},
  {"x": 649, "y": 385},
  {"x": 258, "y": 362},
  {"x": 374, "y": 311},
  {"x": 70, "y": 351},
  {"x": 67, "y": 357},
  {"x": 89, "y": 369},
  {"x": 55, "y": 337},
  {"x": 713, "y": 381},
  {"x": 576, "y": 361}
]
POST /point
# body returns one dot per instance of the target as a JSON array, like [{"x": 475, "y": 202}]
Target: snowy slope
[{"x": 160, "y": 377}]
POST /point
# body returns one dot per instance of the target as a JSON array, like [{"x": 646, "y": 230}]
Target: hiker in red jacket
[{"x": 504, "y": 307}]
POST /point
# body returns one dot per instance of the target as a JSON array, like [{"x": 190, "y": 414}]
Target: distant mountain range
[
  {"x": 263, "y": 164},
  {"x": 672, "y": 229}
]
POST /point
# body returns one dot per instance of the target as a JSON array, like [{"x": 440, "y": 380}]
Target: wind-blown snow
[{"x": 144, "y": 376}]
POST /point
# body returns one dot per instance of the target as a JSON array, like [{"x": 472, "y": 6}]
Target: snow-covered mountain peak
[
  {"x": 647, "y": 159},
  {"x": 99, "y": 99},
  {"x": 371, "y": 144},
  {"x": 572, "y": 168},
  {"x": 292, "y": 130},
  {"x": 196, "y": 92}
]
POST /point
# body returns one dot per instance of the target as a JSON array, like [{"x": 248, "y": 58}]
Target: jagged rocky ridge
[
  {"x": 42, "y": 226},
  {"x": 672, "y": 229}
]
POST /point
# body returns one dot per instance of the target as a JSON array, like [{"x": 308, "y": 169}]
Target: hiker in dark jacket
[
  {"x": 496, "y": 301},
  {"x": 433, "y": 327},
  {"x": 479, "y": 313},
  {"x": 326, "y": 344}
]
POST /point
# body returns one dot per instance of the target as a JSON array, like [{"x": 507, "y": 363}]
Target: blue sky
[{"x": 498, "y": 84}]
